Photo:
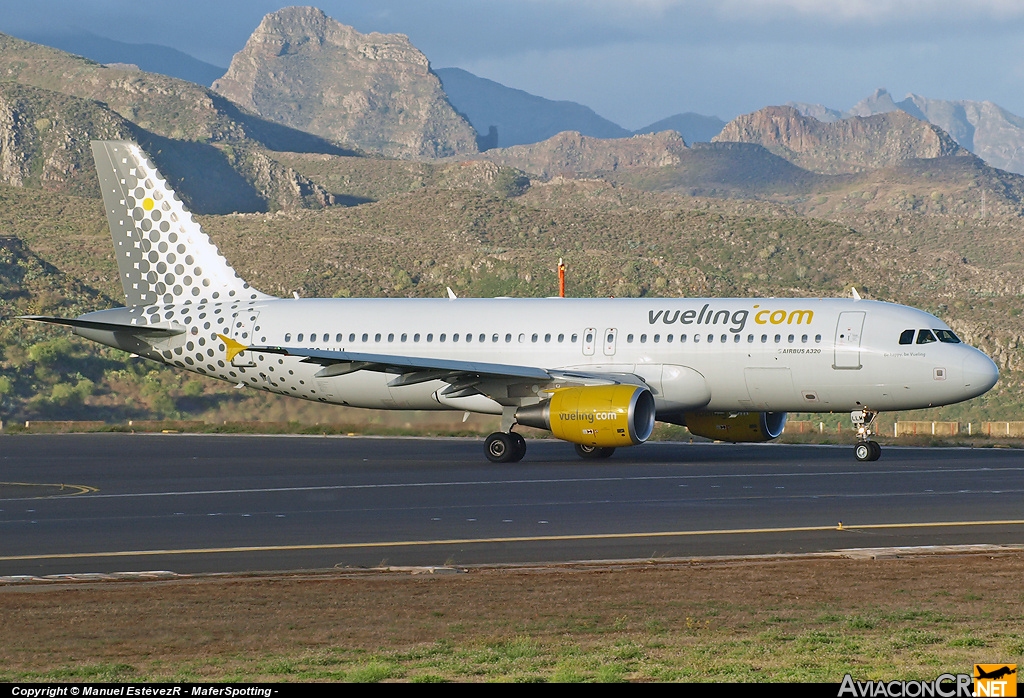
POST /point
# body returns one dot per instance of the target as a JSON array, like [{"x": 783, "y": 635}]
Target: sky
[{"x": 633, "y": 61}]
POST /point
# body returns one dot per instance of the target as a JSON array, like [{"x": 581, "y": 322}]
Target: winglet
[
  {"x": 451, "y": 293},
  {"x": 856, "y": 296},
  {"x": 232, "y": 348}
]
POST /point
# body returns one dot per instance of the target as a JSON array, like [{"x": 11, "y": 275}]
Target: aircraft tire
[
  {"x": 876, "y": 450},
  {"x": 500, "y": 447},
  {"x": 863, "y": 451},
  {"x": 590, "y": 452},
  {"x": 519, "y": 443}
]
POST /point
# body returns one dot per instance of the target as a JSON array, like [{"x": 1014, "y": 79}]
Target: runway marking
[
  {"x": 510, "y": 539},
  {"x": 77, "y": 490},
  {"x": 537, "y": 481}
]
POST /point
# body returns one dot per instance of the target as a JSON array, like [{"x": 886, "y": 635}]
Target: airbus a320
[{"x": 597, "y": 373}]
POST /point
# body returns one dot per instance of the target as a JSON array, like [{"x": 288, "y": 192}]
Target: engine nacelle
[
  {"x": 608, "y": 416},
  {"x": 736, "y": 426}
]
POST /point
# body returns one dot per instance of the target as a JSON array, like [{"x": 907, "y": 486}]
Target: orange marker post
[{"x": 561, "y": 278}]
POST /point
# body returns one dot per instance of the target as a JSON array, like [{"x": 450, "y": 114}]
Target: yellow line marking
[
  {"x": 512, "y": 539},
  {"x": 79, "y": 489}
]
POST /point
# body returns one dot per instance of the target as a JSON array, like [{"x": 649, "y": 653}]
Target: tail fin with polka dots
[{"x": 163, "y": 255}]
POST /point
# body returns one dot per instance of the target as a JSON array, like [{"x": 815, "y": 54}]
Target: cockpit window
[
  {"x": 947, "y": 336},
  {"x": 907, "y": 337},
  {"x": 925, "y": 337}
]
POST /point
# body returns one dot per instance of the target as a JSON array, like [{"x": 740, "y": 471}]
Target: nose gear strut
[{"x": 866, "y": 449}]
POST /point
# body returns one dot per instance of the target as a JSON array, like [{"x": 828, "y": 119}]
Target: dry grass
[{"x": 810, "y": 619}]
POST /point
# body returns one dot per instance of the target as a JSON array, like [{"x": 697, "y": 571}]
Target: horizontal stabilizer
[{"x": 161, "y": 330}]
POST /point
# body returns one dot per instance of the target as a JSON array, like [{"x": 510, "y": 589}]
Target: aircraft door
[
  {"x": 609, "y": 341},
  {"x": 242, "y": 324},
  {"x": 589, "y": 340},
  {"x": 848, "y": 336}
]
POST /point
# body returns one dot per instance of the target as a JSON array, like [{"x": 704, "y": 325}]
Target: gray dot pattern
[{"x": 163, "y": 254}]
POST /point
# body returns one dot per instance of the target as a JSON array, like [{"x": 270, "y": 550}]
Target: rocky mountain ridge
[
  {"x": 984, "y": 128},
  {"x": 302, "y": 69},
  {"x": 845, "y": 146}
]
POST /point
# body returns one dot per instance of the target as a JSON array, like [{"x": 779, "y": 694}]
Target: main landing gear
[
  {"x": 502, "y": 447},
  {"x": 866, "y": 449},
  {"x": 593, "y": 451}
]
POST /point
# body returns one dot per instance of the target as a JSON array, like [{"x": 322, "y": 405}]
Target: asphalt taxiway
[{"x": 195, "y": 503}]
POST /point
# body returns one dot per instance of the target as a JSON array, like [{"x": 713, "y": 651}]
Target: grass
[{"x": 751, "y": 621}]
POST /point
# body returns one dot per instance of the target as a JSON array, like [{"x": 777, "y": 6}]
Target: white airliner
[{"x": 595, "y": 372}]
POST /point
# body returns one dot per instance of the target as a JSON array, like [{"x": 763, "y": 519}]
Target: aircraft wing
[{"x": 463, "y": 377}]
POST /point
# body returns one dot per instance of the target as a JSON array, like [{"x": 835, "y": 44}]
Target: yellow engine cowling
[
  {"x": 736, "y": 426},
  {"x": 608, "y": 416}
]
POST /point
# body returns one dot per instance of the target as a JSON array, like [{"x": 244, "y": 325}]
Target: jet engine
[
  {"x": 605, "y": 416},
  {"x": 736, "y": 426}
]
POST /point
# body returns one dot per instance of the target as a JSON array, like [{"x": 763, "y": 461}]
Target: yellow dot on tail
[{"x": 147, "y": 204}]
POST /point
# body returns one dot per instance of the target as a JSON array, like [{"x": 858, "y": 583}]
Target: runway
[{"x": 72, "y": 504}]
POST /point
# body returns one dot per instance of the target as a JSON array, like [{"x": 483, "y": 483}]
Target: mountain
[
  {"x": 850, "y": 145},
  {"x": 373, "y": 91},
  {"x": 53, "y": 103},
  {"x": 694, "y": 128},
  {"x": 571, "y": 153},
  {"x": 986, "y": 129},
  {"x": 152, "y": 58},
  {"x": 519, "y": 117}
]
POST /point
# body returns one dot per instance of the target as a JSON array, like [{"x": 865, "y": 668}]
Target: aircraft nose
[{"x": 980, "y": 373}]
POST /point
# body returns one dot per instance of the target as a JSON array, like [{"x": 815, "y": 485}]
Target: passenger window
[
  {"x": 682, "y": 338},
  {"x": 947, "y": 336},
  {"x": 299, "y": 338},
  {"x": 590, "y": 338},
  {"x": 668, "y": 339},
  {"x": 561, "y": 338},
  {"x": 442, "y": 337},
  {"x": 574, "y": 338},
  {"x": 764, "y": 339},
  {"x": 657, "y": 338},
  {"x": 430, "y": 336},
  {"x": 522, "y": 337},
  {"x": 312, "y": 337},
  {"x": 416, "y": 337},
  {"x": 803, "y": 339},
  {"x": 696, "y": 338},
  {"x": 533, "y": 338},
  {"x": 547, "y": 338},
  {"x": 337, "y": 338},
  {"x": 288, "y": 337},
  {"x": 791, "y": 338},
  {"x": 494, "y": 338},
  {"x": 643, "y": 339},
  {"x": 907, "y": 337},
  {"x": 629, "y": 339},
  {"x": 750, "y": 339},
  {"x": 404, "y": 336},
  {"x": 725, "y": 338},
  {"x": 711, "y": 338},
  {"x": 376, "y": 337},
  {"x": 508, "y": 338},
  {"x": 391, "y": 336},
  {"x": 483, "y": 337},
  {"x": 736, "y": 339},
  {"x": 366, "y": 337},
  {"x": 778, "y": 338},
  {"x": 925, "y": 337},
  {"x": 455, "y": 337},
  {"x": 469, "y": 337},
  {"x": 817, "y": 339},
  {"x": 352, "y": 337}
]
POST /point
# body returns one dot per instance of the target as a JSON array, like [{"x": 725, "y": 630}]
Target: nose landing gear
[{"x": 866, "y": 449}]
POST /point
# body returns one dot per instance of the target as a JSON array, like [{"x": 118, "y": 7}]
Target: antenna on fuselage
[
  {"x": 856, "y": 296},
  {"x": 451, "y": 293}
]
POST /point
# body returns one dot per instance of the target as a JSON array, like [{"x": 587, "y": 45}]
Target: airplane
[{"x": 594, "y": 372}]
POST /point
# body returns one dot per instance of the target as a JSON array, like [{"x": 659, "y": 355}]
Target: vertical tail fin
[{"x": 163, "y": 255}]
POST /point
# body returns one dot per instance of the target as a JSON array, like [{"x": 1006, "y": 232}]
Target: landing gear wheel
[
  {"x": 501, "y": 448},
  {"x": 863, "y": 451},
  {"x": 876, "y": 450},
  {"x": 520, "y": 446},
  {"x": 590, "y": 452}
]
